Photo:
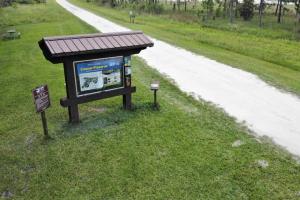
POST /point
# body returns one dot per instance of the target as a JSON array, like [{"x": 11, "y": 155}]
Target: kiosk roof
[{"x": 65, "y": 46}]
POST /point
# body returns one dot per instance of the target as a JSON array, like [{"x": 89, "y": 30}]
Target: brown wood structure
[{"x": 73, "y": 49}]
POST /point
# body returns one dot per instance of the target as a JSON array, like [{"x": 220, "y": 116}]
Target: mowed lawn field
[
  {"x": 272, "y": 52},
  {"x": 182, "y": 151}
]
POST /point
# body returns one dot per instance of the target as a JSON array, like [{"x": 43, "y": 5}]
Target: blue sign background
[{"x": 109, "y": 63}]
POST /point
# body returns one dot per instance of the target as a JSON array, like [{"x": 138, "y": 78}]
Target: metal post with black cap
[{"x": 154, "y": 86}]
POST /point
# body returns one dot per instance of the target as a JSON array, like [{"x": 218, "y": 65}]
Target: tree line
[
  {"x": 5, "y": 3},
  {"x": 204, "y": 9},
  {"x": 209, "y": 9}
]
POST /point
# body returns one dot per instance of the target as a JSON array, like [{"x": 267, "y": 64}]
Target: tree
[
  {"x": 231, "y": 2},
  {"x": 178, "y": 5},
  {"x": 297, "y": 9},
  {"x": 218, "y": 10},
  {"x": 230, "y": 9},
  {"x": 262, "y": 6},
  {"x": 236, "y": 7},
  {"x": 279, "y": 11},
  {"x": 225, "y": 8},
  {"x": 247, "y": 9},
  {"x": 276, "y": 10},
  {"x": 208, "y": 5}
]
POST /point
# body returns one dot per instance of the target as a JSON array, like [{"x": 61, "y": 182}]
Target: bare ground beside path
[{"x": 265, "y": 109}]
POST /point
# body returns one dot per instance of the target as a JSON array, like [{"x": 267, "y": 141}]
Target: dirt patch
[
  {"x": 262, "y": 163},
  {"x": 98, "y": 110},
  {"x": 7, "y": 194},
  {"x": 237, "y": 143}
]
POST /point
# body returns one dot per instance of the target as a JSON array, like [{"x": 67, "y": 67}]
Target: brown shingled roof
[{"x": 63, "y": 46}]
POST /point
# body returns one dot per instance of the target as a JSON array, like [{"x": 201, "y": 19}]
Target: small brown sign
[{"x": 41, "y": 98}]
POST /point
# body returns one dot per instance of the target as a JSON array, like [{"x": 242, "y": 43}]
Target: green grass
[
  {"x": 271, "y": 53},
  {"x": 182, "y": 151}
]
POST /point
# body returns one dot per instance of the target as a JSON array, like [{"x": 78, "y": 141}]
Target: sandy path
[{"x": 265, "y": 109}]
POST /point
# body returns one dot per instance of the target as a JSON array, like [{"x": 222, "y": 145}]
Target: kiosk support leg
[
  {"x": 73, "y": 114},
  {"x": 71, "y": 91},
  {"x": 127, "y": 101}
]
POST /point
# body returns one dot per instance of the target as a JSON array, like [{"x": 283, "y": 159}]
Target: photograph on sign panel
[
  {"x": 99, "y": 75},
  {"x": 91, "y": 81}
]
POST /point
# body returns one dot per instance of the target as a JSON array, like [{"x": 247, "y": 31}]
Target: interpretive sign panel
[
  {"x": 93, "y": 76},
  {"x": 41, "y": 98}
]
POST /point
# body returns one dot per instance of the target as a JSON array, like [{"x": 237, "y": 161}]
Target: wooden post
[
  {"x": 71, "y": 91},
  {"x": 127, "y": 97},
  {"x": 155, "y": 102},
  {"x": 127, "y": 101},
  {"x": 44, "y": 121}
]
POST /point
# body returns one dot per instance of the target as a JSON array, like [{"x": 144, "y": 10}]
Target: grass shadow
[{"x": 112, "y": 117}]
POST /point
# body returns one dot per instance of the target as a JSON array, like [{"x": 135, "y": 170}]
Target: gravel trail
[{"x": 265, "y": 109}]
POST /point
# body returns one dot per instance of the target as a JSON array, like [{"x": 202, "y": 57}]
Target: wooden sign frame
[
  {"x": 73, "y": 100},
  {"x": 78, "y": 48}
]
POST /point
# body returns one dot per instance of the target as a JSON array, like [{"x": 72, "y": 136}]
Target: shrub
[
  {"x": 4, "y": 3},
  {"x": 154, "y": 8},
  {"x": 25, "y": 1},
  {"x": 208, "y": 5},
  {"x": 218, "y": 11},
  {"x": 141, "y": 7},
  {"x": 110, "y": 3},
  {"x": 247, "y": 9},
  {"x": 14, "y": 5}
]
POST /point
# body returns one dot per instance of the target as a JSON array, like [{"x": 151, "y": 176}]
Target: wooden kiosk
[{"x": 96, "y": 66}]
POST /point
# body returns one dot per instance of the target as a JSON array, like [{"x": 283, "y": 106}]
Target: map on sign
[
  {"x": 98, "y": 75},
  {"x": 41, "y": 98}
]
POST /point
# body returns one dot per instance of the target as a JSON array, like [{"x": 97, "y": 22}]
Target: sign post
[
  {"x": 154, "y": 86},
  {"x": 127, "y": 77},
  {"x": 44, "y": 121},
  {"x": 42, "y": 102}
]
